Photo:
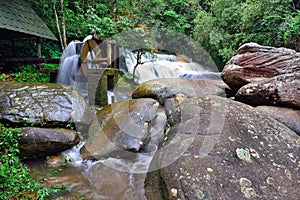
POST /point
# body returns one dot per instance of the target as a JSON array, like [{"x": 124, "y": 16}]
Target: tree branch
[
  {"x": 58, "y": 27},
  {"x": 63, "y": 23}
]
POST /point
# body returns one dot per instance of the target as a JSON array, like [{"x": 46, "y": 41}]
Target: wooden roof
[{"x": 18, "y": 19}]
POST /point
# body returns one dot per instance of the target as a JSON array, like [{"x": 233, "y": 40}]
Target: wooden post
[
  {"x": 39, "y": 50},
  {"x": 39, "y": 47},
  {"x": 116, "y": 56},
  {"x": 108, "y": 53}
]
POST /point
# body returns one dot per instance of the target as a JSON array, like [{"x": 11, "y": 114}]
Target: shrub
[{"x": 29, "y": 73}]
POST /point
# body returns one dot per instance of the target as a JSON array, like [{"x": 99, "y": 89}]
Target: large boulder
[
  {"x": 125, "y": 126},
  {"x": 254, "y": 62},
  {"x": 41, "y": 104},
  {"x": 41, "y": 142},
  {"x": 287, "y": 116},
  {"x": 217, "y": 148},
  {"x": 163, "y": 88},
  {"x": 282, "y": 90}
]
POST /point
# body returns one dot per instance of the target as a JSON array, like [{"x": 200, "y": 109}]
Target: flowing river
[{"x": 113, "y": 178}]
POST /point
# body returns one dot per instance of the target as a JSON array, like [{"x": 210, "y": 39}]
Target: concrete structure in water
[{"x": 99, "y": 82}]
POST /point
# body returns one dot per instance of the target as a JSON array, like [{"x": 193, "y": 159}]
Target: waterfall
[
  {"x": 69, "y": 73},
  {"x": 130, "y": 58},
  {"x": 69, "y": 64},
  {"x": 155, "y": 65},
  {"x": 165, "y": 66}
]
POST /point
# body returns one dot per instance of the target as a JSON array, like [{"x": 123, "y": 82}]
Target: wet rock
[
  {"x": 164, "y": 88},
  {"x": 287, "y": 116},
  {"x": 41, "y": 104},
  {"x": 222, "y": 149},
  {"x": 41, "y": 142},
  {"x": 282, "y": 90},
  {"x": 125, "y": 126},
  {"x": 254, "y": 62}
]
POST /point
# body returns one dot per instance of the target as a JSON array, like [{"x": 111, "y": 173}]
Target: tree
[
  {"x": 221, "y": 26},
  {"x": 58, "y": 27}
]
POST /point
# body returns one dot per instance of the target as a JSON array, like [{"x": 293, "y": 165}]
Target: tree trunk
[
  {"x": 115, "y": 11},
  {"x": 63, "y": 23},
  {"x": 58, "y": 27},
  {"x": 140, "y": 53}
]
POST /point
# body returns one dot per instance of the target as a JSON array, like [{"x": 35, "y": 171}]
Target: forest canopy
[{"x": 220, "y": 26}]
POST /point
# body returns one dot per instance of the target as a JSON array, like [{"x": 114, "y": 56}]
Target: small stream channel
[{"x": 113, "y": 178}]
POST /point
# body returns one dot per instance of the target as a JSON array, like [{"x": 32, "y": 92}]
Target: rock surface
[
  {"x": 125, "y": 126},
  {"x": 282, "y": 90},
  {"x": 41, "y": 142},
  {"x": 287, "y": 116},
  {"x": 163, "y": 88},
  {"x": 224, "y": 150},
  {"x": 37, "y": 104},
  {"x": 254, "y": 62}
]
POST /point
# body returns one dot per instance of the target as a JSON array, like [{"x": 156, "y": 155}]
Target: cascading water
[
  {"x": 100, "y": 179},
  {"x": 112, "y": 178},
  {"x": 97, "y": 180},
  {"x": 69, "y": 64},
  {"x": 165, "y": 66},
  {"x": 154, "y": 66},
  {"x": 70, "y": 73}
]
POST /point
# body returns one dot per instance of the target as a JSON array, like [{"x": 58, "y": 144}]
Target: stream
[{"x": 113, "y": 178}]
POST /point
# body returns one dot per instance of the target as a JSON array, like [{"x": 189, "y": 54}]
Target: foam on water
[{"x": 74, "y": 154}]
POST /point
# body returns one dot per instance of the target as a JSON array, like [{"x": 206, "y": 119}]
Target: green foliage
[
  {"x": 15, "y": 180},
  {"x": 70, "y": 126},
  {"x": 29, "y": 73},
  {"x": 2, "y": 76},
  {"x": 125, "y": 81},
  {"x": 221, "y": 26},
  {"x": 291, "y": 35},
  {"x": 67, "y": 160},
  {"x": 14, "y": 177},
  {"x": 51, "y": 49}
]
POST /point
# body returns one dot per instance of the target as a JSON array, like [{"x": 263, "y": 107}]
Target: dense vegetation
[
  {"x": 220, "y": 26},
  {"x": 15, "y": 179}
]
